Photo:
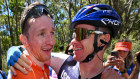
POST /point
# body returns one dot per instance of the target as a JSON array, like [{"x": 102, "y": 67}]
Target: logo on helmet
[{"x": 110, "y": 21}]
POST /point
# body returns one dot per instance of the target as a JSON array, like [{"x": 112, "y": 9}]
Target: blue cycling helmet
[{"x": 98, "y": 15}]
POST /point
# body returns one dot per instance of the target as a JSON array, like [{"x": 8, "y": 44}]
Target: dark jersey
[{"x": 69, "y": 69}]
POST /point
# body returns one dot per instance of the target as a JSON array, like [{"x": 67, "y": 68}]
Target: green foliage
[
  {"x": 13, "y": 4},
  {"x": 4, "y": 63}
]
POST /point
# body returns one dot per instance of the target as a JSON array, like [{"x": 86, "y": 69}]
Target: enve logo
[
  {"x": 109, "y": 21},
  {"x": 64, "y": 75}
]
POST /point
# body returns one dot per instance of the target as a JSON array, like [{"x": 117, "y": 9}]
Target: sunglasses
[
  {"x": 36, "y": 12},
  {"x": 83, "y": 33},
  {"x": 71, "y": 50}
]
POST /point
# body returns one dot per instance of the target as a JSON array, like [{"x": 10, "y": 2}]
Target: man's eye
[
  {"x": 52, "y": 33},
  {"x": 41, "y": 34}
]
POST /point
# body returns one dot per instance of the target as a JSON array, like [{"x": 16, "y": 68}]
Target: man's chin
[{"x": 45, "y": 59}]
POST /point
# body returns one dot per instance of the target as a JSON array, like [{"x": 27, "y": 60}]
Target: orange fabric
[
  {"x": 36, "y": 73},
  {"x": 126, "y": 46}
]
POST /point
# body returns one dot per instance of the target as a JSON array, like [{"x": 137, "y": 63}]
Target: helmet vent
[
  {"x": 93, "y": 10},
  {"x": 105, "y": 8},
  {"x": 83, "y": 10},
  {"x": 109, "y": 17}
]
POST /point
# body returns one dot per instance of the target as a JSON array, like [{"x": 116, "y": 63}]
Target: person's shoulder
[
  {"x": 59, "y": 55},
  {"x": 21, "y": 75},
  {"x": 57, "y": 60},
  {"x": 36, "y": 73}
]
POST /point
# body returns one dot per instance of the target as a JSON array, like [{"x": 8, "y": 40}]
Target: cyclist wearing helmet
[{"x": 95, "y": 25}]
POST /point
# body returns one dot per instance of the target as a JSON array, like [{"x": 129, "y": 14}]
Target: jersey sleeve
[{"x": 57, "y": 61}]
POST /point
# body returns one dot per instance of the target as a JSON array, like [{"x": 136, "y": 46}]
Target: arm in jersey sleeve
[
  {"x": 57, "y": 61},
  {"x": 13, "y": 54}
]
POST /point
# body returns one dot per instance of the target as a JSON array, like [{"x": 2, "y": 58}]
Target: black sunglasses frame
[{"x": 83, "y": 33}]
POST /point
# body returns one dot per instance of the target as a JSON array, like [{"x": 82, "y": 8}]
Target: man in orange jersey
[{"x": 37, "y": 37}]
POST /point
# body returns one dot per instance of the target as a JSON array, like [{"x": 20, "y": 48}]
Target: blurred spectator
[
  {"x": 69, "y": 50},
  {"x": 61, "y": 48},
  {"x": 2, "y": 75},
  {"x": 136, "y": 73},
  {"x": 123, "y": 63}
]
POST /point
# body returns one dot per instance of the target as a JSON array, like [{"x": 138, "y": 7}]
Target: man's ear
[
  {"x": 23, "y": 40},
  {"x": 104, "y": 39},
  {"x": 107, "y": 38}
]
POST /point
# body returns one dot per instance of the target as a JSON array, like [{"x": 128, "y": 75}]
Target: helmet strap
[{"x": 96, "y": 48}]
